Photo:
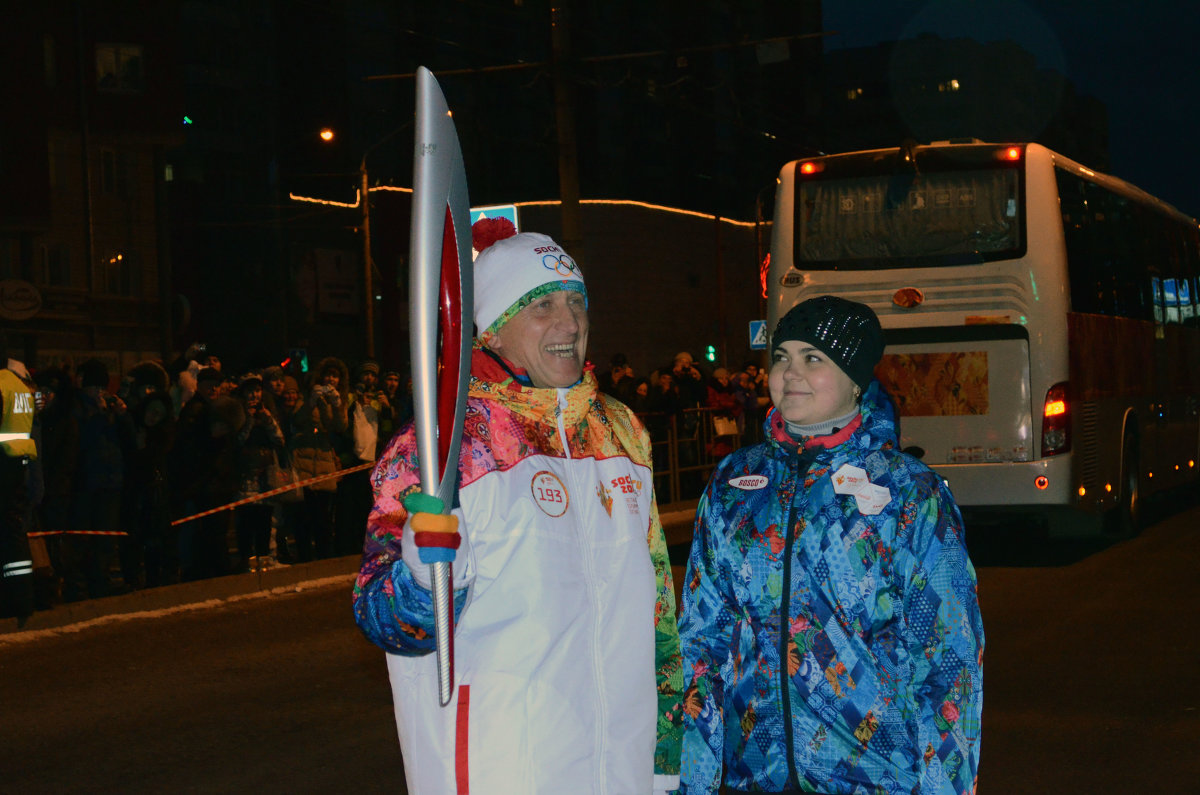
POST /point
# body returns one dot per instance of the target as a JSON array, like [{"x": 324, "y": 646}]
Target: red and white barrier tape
[
  {"x": 44, "y": 533},
  {"x": 228, "y": 507},
  {"x": 273, "y": 492}
]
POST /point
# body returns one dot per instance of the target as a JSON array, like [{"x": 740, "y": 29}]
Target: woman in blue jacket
[{"x": 831, "y": 634}]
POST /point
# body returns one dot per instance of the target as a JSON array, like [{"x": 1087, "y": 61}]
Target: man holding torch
[{"x": 566, "y": 654}]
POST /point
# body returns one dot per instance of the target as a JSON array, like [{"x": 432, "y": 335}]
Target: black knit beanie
[
  {"x": 846, "y": 331},
  {"x": 93, "y": 373}
]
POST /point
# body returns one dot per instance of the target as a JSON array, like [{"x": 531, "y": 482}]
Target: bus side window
[
  {"x": 1083, "y": 269},
  {"x": 1106, "y": 249}
]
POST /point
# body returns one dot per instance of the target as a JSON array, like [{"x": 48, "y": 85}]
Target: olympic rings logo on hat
[{"x": 560, "y": 264}]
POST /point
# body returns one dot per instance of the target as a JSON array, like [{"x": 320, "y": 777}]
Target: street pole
[
  {"x": 564, "y": 112},
  {"x": 368, "y": 265}
]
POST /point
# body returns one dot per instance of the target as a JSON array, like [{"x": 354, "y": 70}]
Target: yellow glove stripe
[{"x": 434, "y": 523}]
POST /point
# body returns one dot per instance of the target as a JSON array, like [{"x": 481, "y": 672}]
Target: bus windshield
[{"x": 907, "y": 217}]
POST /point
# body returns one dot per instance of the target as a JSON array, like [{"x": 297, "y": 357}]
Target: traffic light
[
  {"x": 710, "y": 353},
  {"x": 297, "y": 358}
]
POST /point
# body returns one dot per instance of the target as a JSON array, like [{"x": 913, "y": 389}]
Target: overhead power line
[{"x": 609, "y": 58}]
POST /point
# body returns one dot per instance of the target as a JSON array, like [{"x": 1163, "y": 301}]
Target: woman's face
[
  {"x": 391, "y": 382},
  {"x": 806, "y": 386},
  {"x": 155, "y": 413},
  {"x": 331, "y": 378},
  {"x": 290, "y": 399}
]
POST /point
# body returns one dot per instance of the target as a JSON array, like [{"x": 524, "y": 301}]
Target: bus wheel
[{"x": 1125, "y": 520}]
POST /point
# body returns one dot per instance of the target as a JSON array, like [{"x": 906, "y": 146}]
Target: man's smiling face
[{"x": 548, "y": 339}]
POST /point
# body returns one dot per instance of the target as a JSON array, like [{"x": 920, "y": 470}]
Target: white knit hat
[{"x": 512, "y": 273}]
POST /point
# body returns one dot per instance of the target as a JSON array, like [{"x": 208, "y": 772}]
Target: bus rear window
[{"x": 908, "y": 219}]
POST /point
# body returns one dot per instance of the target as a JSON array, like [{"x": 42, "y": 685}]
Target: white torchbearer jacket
[{"x": 567, "y": 668}]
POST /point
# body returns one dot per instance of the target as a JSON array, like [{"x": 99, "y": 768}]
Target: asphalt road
[{"x": 1091, "y": 683}]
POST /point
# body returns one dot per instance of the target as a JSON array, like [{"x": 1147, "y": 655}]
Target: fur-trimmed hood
[
  {"x": 343, "y": 381},
  {"x": 149, "y": 373}
]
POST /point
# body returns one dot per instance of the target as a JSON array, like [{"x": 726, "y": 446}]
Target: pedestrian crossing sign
[
  {"x": 758, "y": 335},
  {"x": 508, "y": 211}
]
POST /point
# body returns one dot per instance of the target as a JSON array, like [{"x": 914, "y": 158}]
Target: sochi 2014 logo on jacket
[{"x": 626, "y": 486}]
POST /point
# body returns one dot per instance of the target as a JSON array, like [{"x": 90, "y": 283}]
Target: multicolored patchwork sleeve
[
  {"x": 945, "y": 640},
  {"x": 668, "y": 667},
  {"x": 705, "y": 632},
  {"x": 391, "y": 606}
]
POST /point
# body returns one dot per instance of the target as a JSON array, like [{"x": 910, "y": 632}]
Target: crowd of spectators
[
  {"x": 740, "y": 395},
  {"x": 129, "y": 472},
  {"x": 665, "y": 400}
]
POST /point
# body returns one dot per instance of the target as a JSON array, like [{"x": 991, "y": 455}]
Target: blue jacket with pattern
[{"x": 831, "y": 639}]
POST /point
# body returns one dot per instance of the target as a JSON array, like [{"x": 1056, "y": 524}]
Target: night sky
[{"x": 1141, "y": 58}]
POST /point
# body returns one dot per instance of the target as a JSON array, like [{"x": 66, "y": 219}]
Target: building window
[
  {"x": 49, "y": 62},
  {"x": 54, "y": 265},
  {"x": 108, "y": 172},
  {"x": 60, "y": 161},
  {"x": 114, "y": 173},
  {"x": 120, "y": 275},
  {"x": 119, "y": 67},
  {"x": 10, "y": 258}
]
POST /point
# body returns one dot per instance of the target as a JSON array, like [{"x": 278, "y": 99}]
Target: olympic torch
[{"x": 440, "y": 309}]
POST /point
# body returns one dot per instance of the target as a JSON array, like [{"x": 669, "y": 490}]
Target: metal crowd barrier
[{"x": 688, "y": 445}]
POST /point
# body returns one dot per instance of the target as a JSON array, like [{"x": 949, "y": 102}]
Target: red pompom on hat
[{"x": 487, "y": 231}]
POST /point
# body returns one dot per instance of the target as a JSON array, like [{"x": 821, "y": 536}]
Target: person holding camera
[
  {"x": 689, "y": 381},
  {"x": 369, "y": 410},
  {"x": 618, "y": 381},
  {"x": 320, "y": 446},
  {"x": 259, "y": 441}
]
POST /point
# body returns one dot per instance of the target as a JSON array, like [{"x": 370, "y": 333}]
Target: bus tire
[{"x": 1125, "y": 520}]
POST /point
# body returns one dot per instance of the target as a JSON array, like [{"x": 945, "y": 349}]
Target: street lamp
[{"x": 327, "y": 135}]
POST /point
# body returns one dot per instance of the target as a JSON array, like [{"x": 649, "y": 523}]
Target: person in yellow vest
[{"x": 17, "y": 449}]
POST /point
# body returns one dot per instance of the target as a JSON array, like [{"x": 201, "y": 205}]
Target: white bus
[{"x": 1041, "y": 319}]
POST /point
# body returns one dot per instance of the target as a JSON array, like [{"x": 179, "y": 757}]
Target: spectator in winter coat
[
  {"x": 273, "y": 384},
  {"x": 400, "y": 403},
  {"x": 151, "y": 550},
  {"x": 59, "y": 457},
  {"x": 566, "y": 664},
  {"x": 203, "y": 473},
  {"x": 319, "y": 447},
  {"x": 688, "y": 381},
  {"x": 720, "y": 394},
  {"x": 831, "y": 633},
  {"x": 144, "y": 493},
  {"x": 618, "y": 381},
  {"x": 290, "y": 514},
  {"x": 259, "y": 442},
  {"x": 369, "y": 409},
  {"x": 105, "y": 438}
]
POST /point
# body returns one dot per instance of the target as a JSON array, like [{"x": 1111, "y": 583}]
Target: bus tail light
[
  {"x": 1009, "y": 153},
  {"x": 811, "y": 167},
  {"x": 1056, "y": 421}
]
